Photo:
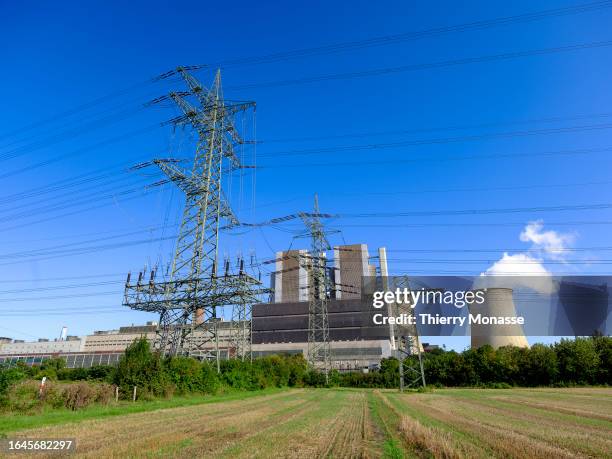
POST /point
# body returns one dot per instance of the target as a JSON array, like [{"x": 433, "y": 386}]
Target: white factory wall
[{"x": 44, "y": 347}]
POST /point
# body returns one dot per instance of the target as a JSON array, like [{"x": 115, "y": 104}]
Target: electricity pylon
[
  {"x": 188, "y": 301},
  {"x": 319, "y": 287},
  {"x": 407, "y": 343}
]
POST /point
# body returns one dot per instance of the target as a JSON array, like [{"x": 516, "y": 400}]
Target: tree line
[{"x": 580, "y": 361}]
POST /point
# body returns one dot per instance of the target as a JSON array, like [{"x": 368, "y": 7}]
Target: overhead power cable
[
  {"x": 74, "y": 131},
  {"x": 430, "y": 225},
  {"x": 328, "y": 49},
  {"x": 428, "y": 159},
  {"x": 406, "y": 36},
  {"x": 60, "y": 297},
  {"x": 444, "y": 140},
  {"x": 427, "y": 66},
  {"x": 290, "y": 217},
  {"x": 81, "y": 151},
  {"x": 466, "y": 127}
]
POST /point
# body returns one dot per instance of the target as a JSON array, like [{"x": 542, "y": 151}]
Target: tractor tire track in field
[
  {"x": 332, "y": 428},
  {"x": 136, "y": 435},
  {"x": 570, "y": 431},
  {"x": 502, "y": 441},
  {"x": 356, "y": 423},
  {"x": 429, "y": 441}
]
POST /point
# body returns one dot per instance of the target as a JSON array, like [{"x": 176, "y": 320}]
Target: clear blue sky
[{"x": 57, "y": 56}]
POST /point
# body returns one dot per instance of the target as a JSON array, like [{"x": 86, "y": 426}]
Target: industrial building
[
  {"x": 283, "y": 328},
  {"x": 351, "y": 264}
]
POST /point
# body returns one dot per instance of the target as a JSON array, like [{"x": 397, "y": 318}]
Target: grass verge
[{"x": 11, "y": 422}]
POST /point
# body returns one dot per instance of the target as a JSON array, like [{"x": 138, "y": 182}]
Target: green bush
[
  {"x": 23, "y": 396},
  {"x": 9, "y": 377},
  {"x": 185, "y": 374},
  {"x": 142, "y": 368}
]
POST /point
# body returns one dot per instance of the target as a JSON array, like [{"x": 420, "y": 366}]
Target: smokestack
[
  {"x": 498, "y": 303},
  {"x": 64, "y": 333},
  {"x": 384, "y": 274}
]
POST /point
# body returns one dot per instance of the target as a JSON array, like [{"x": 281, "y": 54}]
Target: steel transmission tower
[
  {"x": 407, "y": 343},
  {"x": 188, "y": 301},
  {"x": 319, "y": 288}
]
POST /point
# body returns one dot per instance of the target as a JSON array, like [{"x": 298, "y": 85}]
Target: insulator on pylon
[
  {"x": 227, "y": 267},
  {"x": 241, "y": 266},
  {"x": 213, "y": 272},
  {"x": 152, "y": 276},
  {"x": 129, "y": 276},
  {"x": 140, "y": 277}
]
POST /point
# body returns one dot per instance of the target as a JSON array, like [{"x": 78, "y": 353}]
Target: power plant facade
[
  {"x": 278, "y": 327},
  {"x": 281, "y": 326}
]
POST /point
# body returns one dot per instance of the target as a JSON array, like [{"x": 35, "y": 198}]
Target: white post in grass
[{"x": 42, "y": 386}]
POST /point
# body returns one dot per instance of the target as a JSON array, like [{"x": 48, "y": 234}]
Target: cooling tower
[{"x": 498, "y": 303}]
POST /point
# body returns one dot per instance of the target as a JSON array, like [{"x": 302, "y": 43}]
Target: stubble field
[{"x": 345, "y": 423}]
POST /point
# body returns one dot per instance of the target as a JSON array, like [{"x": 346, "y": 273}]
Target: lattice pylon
[
  {"x": 319, "y": 348},
  {"x": 188, "y": 301}
]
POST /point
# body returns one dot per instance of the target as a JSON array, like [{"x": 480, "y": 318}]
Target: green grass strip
[{"x": 12, "y": 422}]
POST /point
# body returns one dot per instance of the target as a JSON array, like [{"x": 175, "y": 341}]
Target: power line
[
  {"x": 516, "y": 249},
  {"x": 409, "y": 36},
  {"x": 415, "y": 67},
  {"x": 443, "y": 140},
  {"x": 471, "y": 224},
  {"x": 361, "y": 134},
  {"x": 290, "y": 217},
  {"x": 562, "y": 208},
  {"x": 61, "y": 297},
  {"x": 80, "y": 151},
  {"x": 327, "y": 49},
  {"x": 49, "y": 279}
]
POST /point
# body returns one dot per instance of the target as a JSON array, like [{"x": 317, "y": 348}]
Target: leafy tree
[
  {"x": 603, "y": 347},
  {"x": 540, "y": 367},
  {"x": 578, "y": 361}
]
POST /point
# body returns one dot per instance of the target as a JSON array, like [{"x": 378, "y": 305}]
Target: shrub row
[
  {"x": 582, "y": 361},
  {"x": 26, "y": 396}
]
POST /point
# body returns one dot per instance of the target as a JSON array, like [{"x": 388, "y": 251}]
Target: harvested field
[{"x": 451, "y": 423}]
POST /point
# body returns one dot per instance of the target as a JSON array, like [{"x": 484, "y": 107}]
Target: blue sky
[{"x": 475, "y": 136}]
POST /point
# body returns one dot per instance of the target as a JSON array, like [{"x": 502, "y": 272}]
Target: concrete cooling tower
[{"x": 498, "y": 303}]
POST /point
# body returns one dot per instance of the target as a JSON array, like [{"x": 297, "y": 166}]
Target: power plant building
[{"x": 278, "y": 327}]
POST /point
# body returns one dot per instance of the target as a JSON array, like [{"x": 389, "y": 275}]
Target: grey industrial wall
[
  {"x": 352, "y": 261},
  {"x": 288, "y": 322},
  {"x": 291, "y": 275}
]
